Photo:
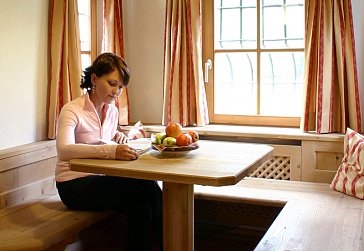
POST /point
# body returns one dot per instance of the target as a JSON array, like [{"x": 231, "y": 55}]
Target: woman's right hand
[{"x": 124, "y": 152}]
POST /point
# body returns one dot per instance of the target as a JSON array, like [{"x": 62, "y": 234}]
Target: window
[
  {"x": 87, "y": 23},
  {"x": 258, "y": 61}
]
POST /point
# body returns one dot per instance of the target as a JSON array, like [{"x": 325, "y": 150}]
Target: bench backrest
[{"x": 27, "y": 172}]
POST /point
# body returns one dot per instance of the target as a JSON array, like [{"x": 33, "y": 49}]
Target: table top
[{"x": 214, "y": 163}]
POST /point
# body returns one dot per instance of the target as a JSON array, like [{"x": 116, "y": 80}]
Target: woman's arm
[
  {"x": 66, "y": 144},
  {"x": 68, "y": 149}
]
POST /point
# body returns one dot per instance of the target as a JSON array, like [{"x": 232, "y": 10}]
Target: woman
[{"x": 83, "y": 125}]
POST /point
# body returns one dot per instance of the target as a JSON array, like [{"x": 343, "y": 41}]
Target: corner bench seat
[
  {"x": 314, "y": 217},
  {"x": 44, "y": 224}
]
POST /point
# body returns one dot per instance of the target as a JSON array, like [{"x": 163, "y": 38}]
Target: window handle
[{"x": 208, "y": 66}]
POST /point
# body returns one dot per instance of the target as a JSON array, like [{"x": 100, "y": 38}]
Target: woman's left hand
[{"x": 120, "y": 138}]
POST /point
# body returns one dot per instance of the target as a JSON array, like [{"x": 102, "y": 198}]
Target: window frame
[
  {"x": 208, "y": 52},
  {"x": 93, "y": 33}
]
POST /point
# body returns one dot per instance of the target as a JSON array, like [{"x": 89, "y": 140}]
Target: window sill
[{"x": 235, "y": 132}]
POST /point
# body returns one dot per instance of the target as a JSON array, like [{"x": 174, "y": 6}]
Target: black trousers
[{"x": 140, "y": 200}]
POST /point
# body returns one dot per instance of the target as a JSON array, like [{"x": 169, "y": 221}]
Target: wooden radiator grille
[{"x": 277, "y": 167}]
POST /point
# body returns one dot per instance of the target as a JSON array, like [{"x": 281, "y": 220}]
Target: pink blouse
[{"x": 80, "y": 133}]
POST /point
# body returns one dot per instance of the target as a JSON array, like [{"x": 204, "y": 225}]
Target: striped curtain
[
  {"x": 113, "y": 41},
  {"x": 65, "y": 59},
  {"x": 184, "y": 91},
  {"x": 331, "y": 85}
]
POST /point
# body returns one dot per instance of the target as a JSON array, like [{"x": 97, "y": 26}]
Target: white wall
[
  {"x": 144, "y": 35},
  {"x": 23, "y": 71}
]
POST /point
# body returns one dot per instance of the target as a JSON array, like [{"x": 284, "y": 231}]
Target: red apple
[
  {"x": 194, "y": 135},
  {"x": 184, "y": 139},
  {"x": 173, "y": 130}
]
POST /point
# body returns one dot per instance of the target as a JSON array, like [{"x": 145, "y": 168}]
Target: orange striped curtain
[
  {"x": 183, "y": 85},
  {"x": 65, "y": 59},
  {"x": 331, "y": 85},
  {"x": 113, "y": 41}
]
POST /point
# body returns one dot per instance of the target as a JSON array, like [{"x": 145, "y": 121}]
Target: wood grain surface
[{"x": 215, "y": 163}]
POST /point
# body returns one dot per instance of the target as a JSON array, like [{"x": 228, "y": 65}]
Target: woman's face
[{"x": 107, "y": 87}]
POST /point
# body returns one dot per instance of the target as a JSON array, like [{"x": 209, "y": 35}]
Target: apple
[
  {"x": 169, "y": 141},
  {"x": 159, "y": 137},
  {"x": 194, "y": 135},
  {"x": 184, "y": 139},
  {"x": 173, "y": 130}
]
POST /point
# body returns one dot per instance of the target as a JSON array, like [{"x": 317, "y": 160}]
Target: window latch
[{"x": 208, "y": 66}]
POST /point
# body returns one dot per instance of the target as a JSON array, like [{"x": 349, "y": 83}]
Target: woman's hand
[
  {"x": 120, "y": 138},
  {"x": 124, "y": 152}
]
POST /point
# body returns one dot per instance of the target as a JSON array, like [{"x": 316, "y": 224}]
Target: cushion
[
  {"x": 349, "y": 177},
  {"x": 137, "y": 131}
]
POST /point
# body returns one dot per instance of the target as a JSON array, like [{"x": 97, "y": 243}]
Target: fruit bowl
[{"x": 175, "y": 151}]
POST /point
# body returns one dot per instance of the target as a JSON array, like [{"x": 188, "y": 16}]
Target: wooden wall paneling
[
  {"x": 29, "y": 154},
  {"x": 17, "y": 150},
  {"x": 320, "y": 160},
  {"x": 37, "y": 171},
  {"x": 37, "y": 190},
  {"x": 27, "y": 172}
]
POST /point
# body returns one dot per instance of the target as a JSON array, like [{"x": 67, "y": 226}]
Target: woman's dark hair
[{"x": 105, "y": 63}]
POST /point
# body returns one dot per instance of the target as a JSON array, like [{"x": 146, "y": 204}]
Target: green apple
[
  {"x": 169, "y": 141},
  {"x": 159, "y": 137}
]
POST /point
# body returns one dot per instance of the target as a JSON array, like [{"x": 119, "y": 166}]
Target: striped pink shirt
[{"x": 79, "y": 133}]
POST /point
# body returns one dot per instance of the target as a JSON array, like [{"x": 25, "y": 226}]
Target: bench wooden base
[
  {"x": 313, "y": 216},
  {"x": 43, "y": 225}
]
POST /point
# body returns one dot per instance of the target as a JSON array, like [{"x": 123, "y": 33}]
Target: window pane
[
  {"x": 85, "y": 60},
  {"x": 235, "y": 24},
  {"x": 229, "y": 3},
  {"x": 271, "y": 2},
  {"x": 282, "y": 24},
  {"x": 85, "y": 24},
  {"x": 296, "y": 29},
  {"x": 235, "y": 83},
  {"x": 235, "y": 3},
  {"x": 282, "y": 83}
]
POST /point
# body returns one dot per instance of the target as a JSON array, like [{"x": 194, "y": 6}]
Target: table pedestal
[{"x": 178, "y": 213}]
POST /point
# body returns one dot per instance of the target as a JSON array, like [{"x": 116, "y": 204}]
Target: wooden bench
[
  {"x": 32, "y": 216},
  {"x": 43, "y": 225},
  {"x": 313, "y": 217}
]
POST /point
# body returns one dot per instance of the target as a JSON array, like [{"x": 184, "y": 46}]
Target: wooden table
[{"x": 215, "y": 163}]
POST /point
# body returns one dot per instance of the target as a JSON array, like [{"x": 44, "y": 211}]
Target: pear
[
  {"x": 159, "y": 137},
  {"x": 169, "y": 141}
]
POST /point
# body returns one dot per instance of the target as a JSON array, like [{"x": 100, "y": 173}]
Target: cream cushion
[{"x": 349, "y": 177}]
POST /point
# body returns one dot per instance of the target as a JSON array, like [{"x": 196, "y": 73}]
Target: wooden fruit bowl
[{"x": 175, "y": 150}]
